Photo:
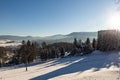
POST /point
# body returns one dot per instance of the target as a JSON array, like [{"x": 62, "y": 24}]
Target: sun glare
[{"x": 114, "y": 21}]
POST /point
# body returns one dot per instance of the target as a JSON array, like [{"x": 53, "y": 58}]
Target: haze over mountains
[{"x": 55, "y": 38}]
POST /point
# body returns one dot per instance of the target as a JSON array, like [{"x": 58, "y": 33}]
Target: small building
[{"x": 108, "y": 40}]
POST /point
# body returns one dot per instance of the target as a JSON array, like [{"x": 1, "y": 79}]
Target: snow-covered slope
[{"x": 96, "y": 66}]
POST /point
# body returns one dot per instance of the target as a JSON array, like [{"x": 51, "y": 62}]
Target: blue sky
[{"x": 49, "y": 17}]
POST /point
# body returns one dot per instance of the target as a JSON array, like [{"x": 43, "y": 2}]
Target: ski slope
[{"x": 96, "y": 66}]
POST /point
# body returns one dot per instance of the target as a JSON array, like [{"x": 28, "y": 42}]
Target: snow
[
  {"x": 95, "y": 66},
  {"x": 8, "y": 43}
]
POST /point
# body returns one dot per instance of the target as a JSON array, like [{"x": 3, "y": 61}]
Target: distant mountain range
[{"x": 55, "y": 38}]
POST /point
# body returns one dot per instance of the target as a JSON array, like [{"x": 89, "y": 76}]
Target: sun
[{"x": 114, "y": 21}]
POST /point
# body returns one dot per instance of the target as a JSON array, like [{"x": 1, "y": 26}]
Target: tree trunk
[
  {"x": 26, "y": 65},
  {"x": 1, "y": 62}
]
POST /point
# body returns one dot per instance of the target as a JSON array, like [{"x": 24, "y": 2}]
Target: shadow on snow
[{"x": 80, "y": 64}]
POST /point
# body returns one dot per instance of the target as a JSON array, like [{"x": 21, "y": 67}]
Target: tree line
[{"x": 31, "y": 51}]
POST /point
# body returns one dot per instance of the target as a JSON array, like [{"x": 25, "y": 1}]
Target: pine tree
[
  {"x": 80, "y": 42},
  {"x": 94, "y": 44},
  {"x": 75, "y": 42},
  {"x": 88, "y": 47},
  {"x": 23, "y": 42},
  {"x": 44, "y": 44},
  {"x": 2, "y": 54},
  {"x": 25, "y": 51},
  {"x": 62, "y": 52}
]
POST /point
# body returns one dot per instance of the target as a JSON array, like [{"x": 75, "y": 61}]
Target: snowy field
[
  {"x": 9, "y": 43},
  {"x": 96, "y": 66}
]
